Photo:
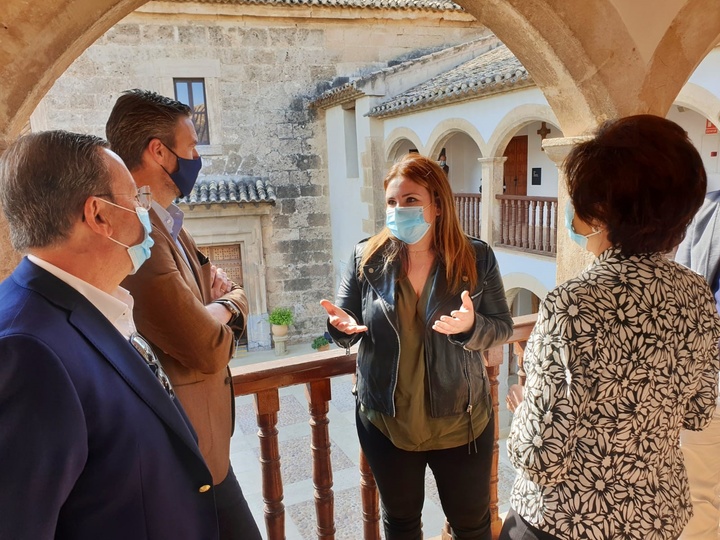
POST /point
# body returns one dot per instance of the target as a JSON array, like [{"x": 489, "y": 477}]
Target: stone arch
[
  {"x": 39, "y": 42},
  {"x": 518, "y": 280},
  {"x": 700, "y": 100},
  {"x": 516, "y": 119},
  {"x": 449, "y": 127},
  {"x": 623, "y": 66},
  {"x": 396, "y": 137}
]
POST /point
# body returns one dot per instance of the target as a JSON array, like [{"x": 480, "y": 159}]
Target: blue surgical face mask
[
  {"x": 579, "y": 239},
  {"x": 407, "y": 223},
  {"x": 139, "y": 253},
  {"x": 186, "y": 174}
]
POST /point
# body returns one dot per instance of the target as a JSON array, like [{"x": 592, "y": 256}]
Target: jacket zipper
[{"x": 397, "y": 336}]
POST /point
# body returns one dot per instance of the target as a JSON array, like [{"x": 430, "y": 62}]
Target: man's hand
[
  {"x": 460, "y": 321},
  {"x": 341, "y": 320},
  {"x": 220, "y": 282}
]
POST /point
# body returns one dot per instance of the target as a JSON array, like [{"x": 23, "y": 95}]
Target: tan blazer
[{"x": 193, "y": 347}]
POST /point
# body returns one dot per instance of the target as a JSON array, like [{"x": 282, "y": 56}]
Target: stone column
[
  {"x": 492, "y": 184},
  {"x": 9, "y": 258},
  {"x": 571, "y": 259}
]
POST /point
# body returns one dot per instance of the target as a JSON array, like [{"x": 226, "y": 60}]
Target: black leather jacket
[{"x": 456, "y": 376}]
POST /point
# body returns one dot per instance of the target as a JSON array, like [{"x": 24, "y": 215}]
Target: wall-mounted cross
[{"x": 543, "y": 132}]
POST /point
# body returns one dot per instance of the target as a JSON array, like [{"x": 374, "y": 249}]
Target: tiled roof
[
  {"x": 497, "y": 70},
  {"x": 350, "y": 91},
  {"x": 429, "y": 5},
  {"x": 230, "y": 191}
]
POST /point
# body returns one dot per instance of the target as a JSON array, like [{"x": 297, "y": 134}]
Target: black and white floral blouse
[{"x": 622, "y": 358}]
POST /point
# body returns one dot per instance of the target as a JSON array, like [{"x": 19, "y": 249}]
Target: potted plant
[
  {"x": 320, "y": 343},
  {"x": 280, "y": 318}
]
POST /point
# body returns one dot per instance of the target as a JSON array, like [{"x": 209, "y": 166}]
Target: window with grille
[{"x": 191, "y": 92}]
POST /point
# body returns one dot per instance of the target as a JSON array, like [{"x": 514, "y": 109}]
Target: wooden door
[
  {"x": 226, "y": 257},
  {"x": 515, "y": 171}
]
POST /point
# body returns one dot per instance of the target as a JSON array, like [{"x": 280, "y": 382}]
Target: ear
[
  {"x": 95, "y": 214},
  {"x": 156, "y": 150}
]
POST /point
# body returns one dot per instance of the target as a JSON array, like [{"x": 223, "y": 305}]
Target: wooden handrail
[
  {"x": 525, "y": 198},
  {"x": 263, "y": 381}
]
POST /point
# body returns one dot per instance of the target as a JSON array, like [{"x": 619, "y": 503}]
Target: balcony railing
[
  {"x": 264, "y": 380},
  {"x": 528, "y": 223},
  {"x": 469, "y": 210}
]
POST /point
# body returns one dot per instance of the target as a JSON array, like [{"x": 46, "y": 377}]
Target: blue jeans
[{"x": 462, "y": 478}]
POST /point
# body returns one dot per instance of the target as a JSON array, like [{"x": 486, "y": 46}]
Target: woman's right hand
[{"x": 341, "y": 320}]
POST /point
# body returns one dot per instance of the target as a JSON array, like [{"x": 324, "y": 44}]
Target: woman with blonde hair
[{"x": 424, "y": 300}]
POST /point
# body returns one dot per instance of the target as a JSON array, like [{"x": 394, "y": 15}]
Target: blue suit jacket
[{"x": 91, "y": 446}]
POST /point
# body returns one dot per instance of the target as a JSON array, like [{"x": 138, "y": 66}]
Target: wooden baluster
[
  {"x": 526, "y": 230},
  {"x": 542, "y": 227},
  {"x": 459, "y": 208},
  {"x": 504, "y": 216},
  {"x": 472, "y": 215},
  {"x": 519, "y": 350},
  {"x": 370, "y": 501},
  {"x": 493, "y": 361},
  {"x": 513, "y": 223},
  {"x": 469, "y": 215},
  {"x": 267, "y": 405},
  {"x": 479, "y": 215},
  {"x": 552, "y": 227},
  {"x": 540, "y": 242},
  {"x": 318, "y": 396}
]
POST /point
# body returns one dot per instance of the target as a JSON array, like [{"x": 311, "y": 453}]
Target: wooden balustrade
[
  {"x": 315, "y": 370},
  {"x": 469, "y": 210},
  {"x": 528, "y": 223}
]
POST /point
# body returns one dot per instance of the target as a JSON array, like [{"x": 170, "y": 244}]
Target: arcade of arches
[{"x": 592, "y": 60}]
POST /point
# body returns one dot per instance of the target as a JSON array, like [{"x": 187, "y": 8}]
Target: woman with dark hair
[
  {"x": 424, "y": 300},
  {"x": 623, "y": 356}
]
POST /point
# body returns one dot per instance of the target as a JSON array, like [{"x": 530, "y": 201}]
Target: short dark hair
[
  {"x": 641, "y": 178},
  {"x": 138, "y": 117},
  {"x": 45, "y": 179}
]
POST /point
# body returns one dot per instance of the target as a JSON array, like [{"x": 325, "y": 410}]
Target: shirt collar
[
  {"x": 172, "y": 218},
  {"x": 116, "y": 307}
]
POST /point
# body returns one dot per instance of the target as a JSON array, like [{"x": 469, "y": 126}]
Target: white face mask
[
  {"x": 139, "y": 253},
  {"x": 407, "y": 223}
]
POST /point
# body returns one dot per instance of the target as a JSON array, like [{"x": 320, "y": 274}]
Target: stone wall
[{"x": 261, "y": 64}]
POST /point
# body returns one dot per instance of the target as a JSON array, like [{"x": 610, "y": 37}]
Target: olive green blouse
[{"x": 412, "y": 428}]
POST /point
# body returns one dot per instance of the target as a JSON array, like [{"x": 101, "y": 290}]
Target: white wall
[
  {"x": 539, "y": 270},
  {"x": 694, "y": 124},
  {"x": 483, "y": 114},
  {"x": 538, "y": 158},
  {"x": 346, "y": 212},
  {"x": 462, "y": 157}
]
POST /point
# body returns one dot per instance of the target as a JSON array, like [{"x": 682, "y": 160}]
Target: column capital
[
  {"x": 558, "y": 148},
  {"x": 493, "y": 160}
]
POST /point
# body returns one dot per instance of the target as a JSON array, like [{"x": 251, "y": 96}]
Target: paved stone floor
[{"x": 294, "y": 438}]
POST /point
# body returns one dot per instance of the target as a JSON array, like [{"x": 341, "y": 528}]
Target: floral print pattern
[{"x": 621, "y": 359}]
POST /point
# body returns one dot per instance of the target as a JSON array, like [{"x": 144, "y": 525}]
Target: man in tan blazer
[{"x": 184, "y": 306}]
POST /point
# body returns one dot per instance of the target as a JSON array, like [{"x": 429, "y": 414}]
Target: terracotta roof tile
[
  {"x": 230, "y": 191},
  {"x": 495, "y": 71},
  {"x": 428, "y": 5}
]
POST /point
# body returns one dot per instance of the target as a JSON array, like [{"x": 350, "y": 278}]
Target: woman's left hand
[{"x": 459, "y": 321}]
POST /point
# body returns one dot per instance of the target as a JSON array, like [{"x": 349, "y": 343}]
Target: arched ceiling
[
  {"x": 38, "y": 41},
  {"x": 604, "y": 58}
]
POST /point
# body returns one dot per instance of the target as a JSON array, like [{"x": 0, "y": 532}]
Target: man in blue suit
[{"x": 93, "y": 443}]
